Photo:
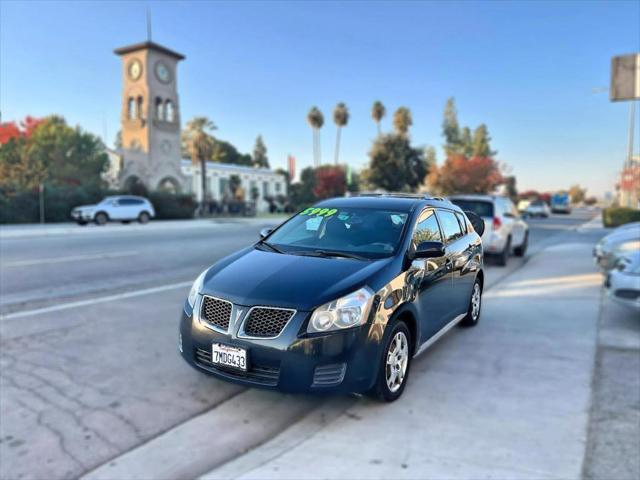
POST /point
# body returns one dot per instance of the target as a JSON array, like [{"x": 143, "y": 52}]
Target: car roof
[{"x": 395, "y": 202}]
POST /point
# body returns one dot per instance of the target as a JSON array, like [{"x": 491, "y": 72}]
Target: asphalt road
[{"x": 88, "y": 362}]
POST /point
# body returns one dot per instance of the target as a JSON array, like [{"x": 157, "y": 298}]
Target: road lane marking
[
  {"x": 93, "y": 301},
  {"x": 73, "y": 258}
]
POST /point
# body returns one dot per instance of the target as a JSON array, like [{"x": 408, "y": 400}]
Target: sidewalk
[
  {"x": 507, "y": 399},
  {"x": 45, "y": 230}
]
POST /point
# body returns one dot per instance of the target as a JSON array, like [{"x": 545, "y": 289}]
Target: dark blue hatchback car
[{"x": 338, "y": 298}]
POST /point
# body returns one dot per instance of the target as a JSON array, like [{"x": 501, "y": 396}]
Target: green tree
[
  {"x": 378, "y": 111},
  {"x": 482, "y": 142},
  {"x": 511, "y": 188},
  {"x": 301, "y": 192},
  {"x": 200, "y": 145},
  {"x": 316, "y": 121},
  {"x": 466, "y": 142},
  {"x": 402, "y": 120},
  {"x": 340, "y": 118},
  {"x": 54, "y": 153},
  {"x": 395, "y": 165},
  {"x": 260, "y": 159},
  {"x": 430, "y": 157},
  {"x": 450, "y": 128},
  {"x": 225, "y": 152}
]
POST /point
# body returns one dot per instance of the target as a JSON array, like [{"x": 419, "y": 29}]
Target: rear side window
[
  {"x": 450, "y": 225},
  {"x": 427, "y": 229},
  {"x": 482, "y": 208},
  {"x": 463, "y": 222}
]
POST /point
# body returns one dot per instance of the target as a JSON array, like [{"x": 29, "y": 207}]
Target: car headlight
[
  {"x": 346, "y": 312},
  {"x": 195, "y": 289}
]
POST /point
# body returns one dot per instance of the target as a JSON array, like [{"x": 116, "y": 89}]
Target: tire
[
  {"x": 399, "y": 336},
  {"x": 82, "y": 223},
  {"x": 503, "y": 257},
  {"x": 522, "y": 249},
  {"x": 125, "y": 222},
  {"x": 475, "y": 306},
  {"x": 144, "y": 217},
  {"x": 101, "y": 218}
]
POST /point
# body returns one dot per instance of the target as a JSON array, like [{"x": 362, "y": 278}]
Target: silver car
[
  {"x": 505, "y": 231},
  {"x": 623, "y": 282},
  {"x": 122, "y": 208},
  {"x": 622, "y": 242}
]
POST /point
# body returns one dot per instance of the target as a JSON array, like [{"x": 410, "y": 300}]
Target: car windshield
[
  {"x": 482, "y": 208},
  {"x": 538, "y": 203},
  {"x": 362, "y": 232}
]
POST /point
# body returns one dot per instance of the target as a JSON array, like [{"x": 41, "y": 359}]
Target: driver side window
[{"x": 427, "y": 229}]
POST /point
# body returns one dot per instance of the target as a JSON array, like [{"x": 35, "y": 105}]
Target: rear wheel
[
  {"x": 522, "y": 249},
  {"x": 82, "y": 223},
  {"x": 475, "y": 304},
  {"x": 503, "y": 257},
  {"x": 395, "y": 363},
  {"x": 143, "y": 217},
  {"x": 101, "y": 218}
]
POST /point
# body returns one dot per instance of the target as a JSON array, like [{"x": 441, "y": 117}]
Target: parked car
[
  {"x": 522, "y": 205},
  {"x": 122, "y": 208},
  {"x": 505, "y": 231},
  {"x": 538, "y": 208},
  {"x": 339, "y": 298},
  {"x": 622, "y": 241},
  {"x": 560, "y": 203},
  {"x": 623, "y": 282}
]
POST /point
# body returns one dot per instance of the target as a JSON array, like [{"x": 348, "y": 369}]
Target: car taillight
[{"x": 496, "y": 223}]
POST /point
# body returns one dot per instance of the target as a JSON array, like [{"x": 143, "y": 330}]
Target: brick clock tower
[{"x": 150, "y": 120}]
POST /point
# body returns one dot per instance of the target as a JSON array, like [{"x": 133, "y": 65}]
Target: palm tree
[
  {"x": 377, "y": 113},
  {"x": 316, "y": 121},
  {"x": 200, "y": 145},
  {"x": 402, "y": 120},
  {"x": 341, "y": 118}
]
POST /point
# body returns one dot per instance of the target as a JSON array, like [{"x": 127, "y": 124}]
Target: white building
[{"x": 267, "y": 182}]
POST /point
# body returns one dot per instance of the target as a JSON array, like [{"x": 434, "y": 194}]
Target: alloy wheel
[
  {"x": 476, "y": 298},
  {"x": 397, "y": 361}
]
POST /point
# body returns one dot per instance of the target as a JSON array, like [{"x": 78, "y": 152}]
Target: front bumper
[
  {"x": 339, "y": 362},
  {"x": 80, "y": 215}
]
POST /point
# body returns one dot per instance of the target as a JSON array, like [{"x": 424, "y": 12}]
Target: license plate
[{"x": 225, "y": 355}]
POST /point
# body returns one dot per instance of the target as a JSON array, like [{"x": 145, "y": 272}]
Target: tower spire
[{"x": 148, "y": 25}]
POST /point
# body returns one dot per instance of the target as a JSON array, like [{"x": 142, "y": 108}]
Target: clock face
[
  {"x": 135, "y": 69},
  {"x": 162, "y": 72},
  {"x": 166, "y": 146}
]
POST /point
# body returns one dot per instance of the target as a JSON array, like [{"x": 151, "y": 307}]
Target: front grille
[
  {"x": 216, "y": 312},
  {"x": 263, "y": 374},
  {"x": 263, "y": 322},
  {"x": 326, "y": 375}
]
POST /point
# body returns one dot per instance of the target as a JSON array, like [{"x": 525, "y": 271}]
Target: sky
[{"x": 526, "y": 69}]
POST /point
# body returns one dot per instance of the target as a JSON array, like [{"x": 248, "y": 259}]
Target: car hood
[{"x": 255, "y": 277}]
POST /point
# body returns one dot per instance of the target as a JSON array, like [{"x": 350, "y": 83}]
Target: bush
[
  {"x": 616, "y": 216},
  {"x": 24, "y": 207},
  {"x": 172, "y": 206}
]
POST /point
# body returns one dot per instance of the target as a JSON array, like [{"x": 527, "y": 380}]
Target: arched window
[
  {"x": 140, "y": 107},
  {"x": 168, "y": 111},
  {"x": 159, "y": 109},
  {"x": 131, "y": 109}
]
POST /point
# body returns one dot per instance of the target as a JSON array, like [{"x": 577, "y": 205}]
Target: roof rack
[{"x": 418, "y": 196}]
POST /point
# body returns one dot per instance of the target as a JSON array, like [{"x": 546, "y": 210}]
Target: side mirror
[
  {"x": 476, "y": 221},
  {"x": 429, "y": 250},
  {"x": 265, "y": 232}
]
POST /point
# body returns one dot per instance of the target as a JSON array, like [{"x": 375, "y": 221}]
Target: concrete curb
[{"x": 208, "y": 440}]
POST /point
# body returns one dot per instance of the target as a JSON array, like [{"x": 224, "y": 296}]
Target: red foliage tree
[
  {"x": 460, "y": 174},
  {"x": 330, "y": 182},
  {"x": 11, "y": 130}
]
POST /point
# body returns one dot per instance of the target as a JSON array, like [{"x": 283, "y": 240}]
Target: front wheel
[
  {"x": 475, "y": 304},
  {"x": 393, "y": 370},
  {"x": 144, "y": 217},
  {"x": 101, "y": 218}
]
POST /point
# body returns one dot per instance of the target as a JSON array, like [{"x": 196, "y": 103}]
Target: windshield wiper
[
  {"x": 328, "y": 254},
  {"x": 272, "y": 247}
]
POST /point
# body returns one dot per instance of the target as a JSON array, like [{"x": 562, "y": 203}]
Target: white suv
[
  {"x": 505, "y": 231},
  {"x": 123, "y": 209}
]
